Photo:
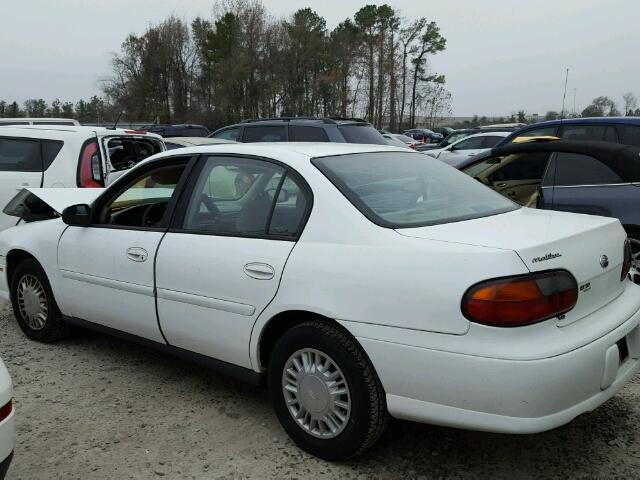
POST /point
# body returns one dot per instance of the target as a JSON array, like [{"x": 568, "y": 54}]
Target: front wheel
[
  {"x": 325, "y": 391},
  {"x": 34, "y": 307}
]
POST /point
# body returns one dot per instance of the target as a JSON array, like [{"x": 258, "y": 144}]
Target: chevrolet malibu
[{"x": 360, "y": 282}]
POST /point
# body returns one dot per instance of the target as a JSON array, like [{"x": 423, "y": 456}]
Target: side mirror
[{"x": 77, "y": 215}]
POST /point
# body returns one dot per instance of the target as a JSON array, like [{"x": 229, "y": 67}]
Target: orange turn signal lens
[{"x": 521, "y": 300}]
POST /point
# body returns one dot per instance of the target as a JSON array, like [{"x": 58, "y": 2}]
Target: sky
[{"x": 502, "y": 55}]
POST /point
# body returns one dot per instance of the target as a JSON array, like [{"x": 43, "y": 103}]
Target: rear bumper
[
  {"x": 7, "y": 440},
  {"x": 4, "y": 465},
  {"x": 506, "y": 396}
]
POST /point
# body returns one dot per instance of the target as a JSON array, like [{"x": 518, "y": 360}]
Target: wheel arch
[
  {"x": 268, "y": 334},
  {"x": 14, "y": 257}
]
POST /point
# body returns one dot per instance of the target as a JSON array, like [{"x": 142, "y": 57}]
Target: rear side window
[
  {"x": 362, "y": 134},
  {"x": 20, "y": 155},
  {"x": 50, "y": 150},
  {"x": 630, "y": 134},
  {"x": 265, "y": 134},
  {"x": 307, "y": 134},
  {"x": 396, "y": 189},
  {"x": 521, "y": 167},
  {"x": 228, "y": 134},
  {"x": 470, "y": 144},
  {"x": 578, "y": 169}
]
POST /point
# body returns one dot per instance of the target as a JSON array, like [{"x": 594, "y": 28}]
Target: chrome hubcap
[
  {"x": 634, "y": 272},
  {"x": 316, "y": 393},
  {"x": 32, "y": 302}
]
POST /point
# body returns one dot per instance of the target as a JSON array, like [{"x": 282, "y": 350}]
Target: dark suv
[
  {"x": 302, "y": 129},
  {"x": 184, "y": 130},
  {"x": 624, "y": 130}
]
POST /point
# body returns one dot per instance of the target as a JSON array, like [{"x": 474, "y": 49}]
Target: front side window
[
  {"x": 583, "y": 132},
  {"x": 397, "y": 190},
  {"x": 20, "y": 155},
  {"x": 144, "y": 201},
  {"x": 536, "y": 132},
  {"x": 471, "y": 143},
  {"x": 228, "y": 134},
  {"x": 491, "y": 141},
  {"x": 245, "y": 197},
  {"x": 274, "y": 133}
]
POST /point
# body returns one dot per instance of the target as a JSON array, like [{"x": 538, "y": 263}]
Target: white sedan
[
  {"x": 7, "y": 422},
  {"x": 359, "y": 280},
  {"x": 461, "y": 151}
]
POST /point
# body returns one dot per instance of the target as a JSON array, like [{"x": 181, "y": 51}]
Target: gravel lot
[{"x": 94, "y": 407}]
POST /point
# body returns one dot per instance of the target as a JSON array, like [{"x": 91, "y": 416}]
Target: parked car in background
[
  {"x": 181, "y": 142},
  {"x": 184, "y": 130},
  {"x": 624, "y": 130},
  {"x": 7, "y": 421},
  {"x": 444, "y": 131},
  {"x": 512, "y": 126},
  {"x": 357, "y": 280},
  {"x": 424, "y": 135},
  {"x": 399, "y": 140},
  {"x": 461, "y": 151},
  {"x": 38, "y": 121},
  {"x": 302, "y": 129},
  {"x": 459, "y": 135},
  {"x": 67, "y": 156},
  {"x": 596, "y": 178}
]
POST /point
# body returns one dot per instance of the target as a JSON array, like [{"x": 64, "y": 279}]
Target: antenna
[
  {"x": 566, "y": 79},
  {"x": 574, "y": 102},
  {"x": 117, "y": 120}
]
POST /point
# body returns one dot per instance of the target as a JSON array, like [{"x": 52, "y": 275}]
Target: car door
[
  {"x": 20, "y": 166},
  {"x": 220, "y": 264},
  {"x": 107, "y": 268},
  {"x": 520, "y": 176},
  {"x": 585, "y": 184}
]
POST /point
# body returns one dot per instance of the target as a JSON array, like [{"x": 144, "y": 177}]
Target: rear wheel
[
  {"x": 34, "y": 307},
  {"x": 325, "y": 391},
  {"x": 634, "y": 272}
]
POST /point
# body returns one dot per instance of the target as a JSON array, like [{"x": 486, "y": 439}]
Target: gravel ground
[{"x": 94, "y": 407}]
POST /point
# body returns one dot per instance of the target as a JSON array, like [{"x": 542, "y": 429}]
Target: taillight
[
  {"x": 136, "y": 132},
  {"x": 90, "y": 168},
  {"x": 521, "y": 300},
  {"x": 5, "y": 411},
  {"x": 628, "y": 259},
  {"x": 412, "y": 146}
]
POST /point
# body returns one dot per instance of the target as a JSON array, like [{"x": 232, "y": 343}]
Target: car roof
[
  {"x": 196, "y": 141},
  {"x": 584, "y": 120},
  {"x": 25, "y": 129},
  {"x": 486, "y": 134}
]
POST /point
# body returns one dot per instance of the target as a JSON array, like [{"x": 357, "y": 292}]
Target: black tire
[
  {"x": 368, "y": 417},
  {"x": 54, "y": 327}
]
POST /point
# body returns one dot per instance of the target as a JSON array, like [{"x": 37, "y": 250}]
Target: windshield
[
  {"x": 397, "y": 190},
  {"x": 362, "y": 134}
]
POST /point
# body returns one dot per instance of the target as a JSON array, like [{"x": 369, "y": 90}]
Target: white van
[
  {"x": 67, "y": 156},
  {"x": 38, "y": 121}
]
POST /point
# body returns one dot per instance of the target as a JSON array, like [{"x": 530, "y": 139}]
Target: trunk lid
[{"x": 547, "y": 240}]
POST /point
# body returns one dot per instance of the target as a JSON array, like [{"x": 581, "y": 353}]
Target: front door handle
[
  {"x": 137, "y": 254},
  {"x": 259, "y": 271}
]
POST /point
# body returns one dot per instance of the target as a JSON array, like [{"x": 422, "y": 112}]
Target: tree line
[{"x": 244, "y": 63}]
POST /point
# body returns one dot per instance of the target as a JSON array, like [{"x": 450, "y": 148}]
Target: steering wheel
[
  {"x": 214, "y": 212},
  {"x": 153, "y": 214}
]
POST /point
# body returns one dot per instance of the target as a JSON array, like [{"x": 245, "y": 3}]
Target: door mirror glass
[{"x": 77, "y": 215}]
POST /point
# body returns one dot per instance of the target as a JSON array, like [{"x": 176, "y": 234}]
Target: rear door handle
[
  {"x": 259, "y": 271},
  {"x": 137, "y": 254}
]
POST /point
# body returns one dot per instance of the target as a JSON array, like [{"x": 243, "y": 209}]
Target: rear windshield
[
  {"x": 362, "y": 134},
  {"x": 399, "y": 190},
  {"x": 125, "y": 152}
]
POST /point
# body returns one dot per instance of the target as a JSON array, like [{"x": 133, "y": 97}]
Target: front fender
[{"x": 38, "y": 239}]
